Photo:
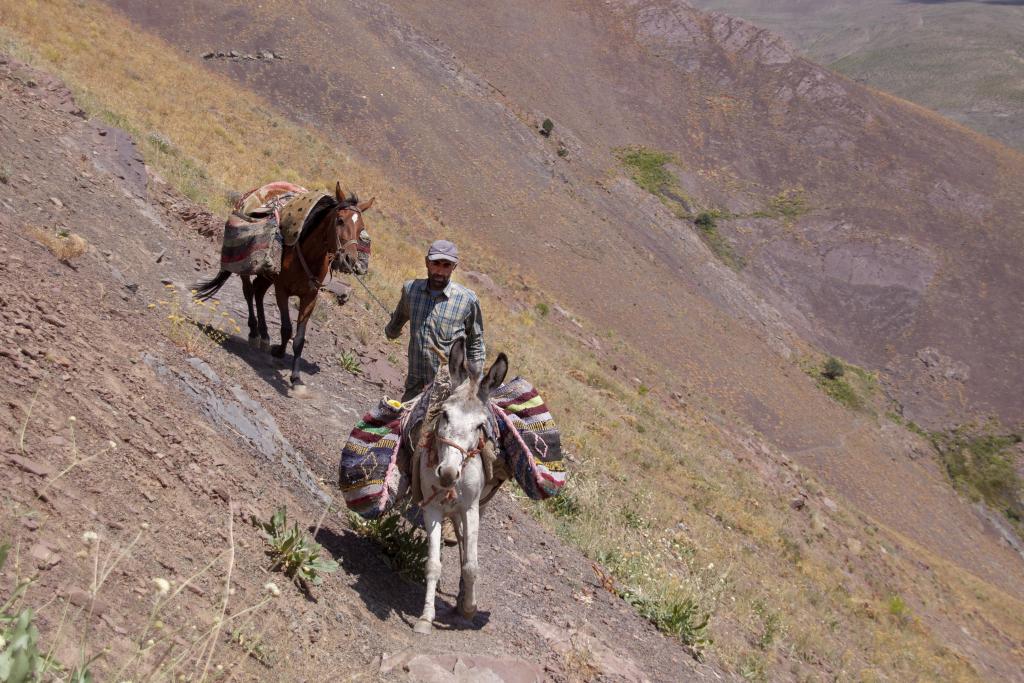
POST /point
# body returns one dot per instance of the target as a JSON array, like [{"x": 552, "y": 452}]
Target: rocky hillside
[
  {"x": 706, "y": 216},
  {"x": 128, "y": 460},
  {"x": 962, "y": 60}
]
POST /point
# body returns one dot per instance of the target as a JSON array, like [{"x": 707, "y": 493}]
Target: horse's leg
[
  {"x": 286, "y": 322},
  {"x": 260, "y": 288},
  {"x": 254, "y": 335},
  {"x": 432, "y": 522},
  {"x": 470, "y": 533},
  {"x": 306, "y": 305}
]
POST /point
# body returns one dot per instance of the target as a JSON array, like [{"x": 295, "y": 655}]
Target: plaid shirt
[{"x": 436, "y": 317}]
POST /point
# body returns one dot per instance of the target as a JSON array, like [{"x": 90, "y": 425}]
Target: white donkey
[{"x": 452, "y": 476}]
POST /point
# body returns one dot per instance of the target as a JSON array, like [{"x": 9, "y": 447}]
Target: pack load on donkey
[{"x": 529, "y": 445}]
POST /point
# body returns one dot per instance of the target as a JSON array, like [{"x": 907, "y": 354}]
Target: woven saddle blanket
[
  {"x": 263, "y": 220},
  {"x": 526, "y": 435}
]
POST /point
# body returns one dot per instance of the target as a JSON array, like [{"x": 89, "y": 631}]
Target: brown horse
[{"x": 329, "y": 240}]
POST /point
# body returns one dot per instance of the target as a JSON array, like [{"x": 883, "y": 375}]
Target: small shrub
[
  {"x": 833, "y": 368},
  {"x": 563, "y": 151},
  {"x": 643, "y": 390},
  {"x": 897, "y": 607},
  {"x": 706, "y": 220},
  {"x": 681, "y": 618},
  {"x": 564, "y": 505},
  {"x": 546, "y": 127},
  {"x": 349, "y": 362},
  {"x": 63, "y": 244},
  {"x": 405, "y": 548},
  {"x": 296, "y": 555},
  {"x": 162, "y": 143},
  {"x": 542, "y": 309},
  {"x": 199, "y": 329},
  {"x": 5, "y": 175}
]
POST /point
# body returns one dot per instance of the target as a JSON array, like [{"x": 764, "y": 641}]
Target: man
[{"x": 438, "y": 311}]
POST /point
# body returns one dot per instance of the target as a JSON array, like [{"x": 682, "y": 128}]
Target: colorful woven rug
[
  {"x": 251, "y": 246},
  {"x": 529, "y": 440},
  {"x": 368, "y": 473}
]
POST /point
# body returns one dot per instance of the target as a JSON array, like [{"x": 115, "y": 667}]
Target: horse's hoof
[
  {"x": 300, "y": 391},
  {"x": 255, "y": 343},
  {"x": 277, "y": 350},
  {"x": 423, "y": 627},
  {"x": 467, "y": 614}
]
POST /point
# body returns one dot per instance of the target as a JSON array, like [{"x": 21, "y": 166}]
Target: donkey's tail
[{"x": 204, "y": 289}]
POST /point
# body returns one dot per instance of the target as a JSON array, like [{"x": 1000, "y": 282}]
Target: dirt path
[{"x": 178, "y": 451}]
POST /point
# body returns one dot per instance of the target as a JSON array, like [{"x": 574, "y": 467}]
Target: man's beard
[{"x": 437, "y": 282}]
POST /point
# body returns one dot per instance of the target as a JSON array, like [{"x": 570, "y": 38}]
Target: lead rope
[{"x": 375, "y": 299}]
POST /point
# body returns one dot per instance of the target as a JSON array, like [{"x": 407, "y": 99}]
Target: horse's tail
[{"x": 204, "y": 289}]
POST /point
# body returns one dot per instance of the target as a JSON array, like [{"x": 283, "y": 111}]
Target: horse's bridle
[{"x": 338, "y": 247}]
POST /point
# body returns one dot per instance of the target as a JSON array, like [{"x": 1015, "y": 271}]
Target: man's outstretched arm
[{"x": 398, "y": 319}]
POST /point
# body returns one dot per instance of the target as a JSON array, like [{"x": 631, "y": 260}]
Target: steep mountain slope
[
  {"x": 449, "y": 102},
  {"x": 914, "y": 526},
  {"x": 877, "y": 268},
  {"x": 961, "y": 59},
  {"x": 110, "y": 429}
]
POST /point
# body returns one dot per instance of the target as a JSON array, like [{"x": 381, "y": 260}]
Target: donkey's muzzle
[{"x": 447, "y": 476}]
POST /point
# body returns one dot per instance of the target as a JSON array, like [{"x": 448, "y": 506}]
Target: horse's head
[
  {"x": 353, "y": 237},
  {"x": 461, "y": 427}
]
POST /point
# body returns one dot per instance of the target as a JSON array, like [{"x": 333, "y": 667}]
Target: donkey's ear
[
  {"x": 367, "y": 204},
  {"x": 494, "y": 377},
  {"x": 339, "y": 194},
  {"x": 457, "y": 362}
]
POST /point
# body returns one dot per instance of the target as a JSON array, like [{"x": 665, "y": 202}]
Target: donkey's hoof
[
  {"x": 277, "y": 350},
  {"x": 264, "y": 344},
  {"x": 254, "y": 342},
  {"x": 467, "y": 614},
  {"x": 423, "y": 627}
]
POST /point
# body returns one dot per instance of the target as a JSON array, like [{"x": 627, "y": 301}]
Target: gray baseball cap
[{"x": 443, "y": 250}]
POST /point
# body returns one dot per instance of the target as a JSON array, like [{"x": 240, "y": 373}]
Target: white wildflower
[
  {"x": 72, "y": 418},
  {"x": 162, "y": 585},
  {"x": 90, "y": 537},
  {"x": 272, "y": 588},
  {"x": 112, "y": 445}
]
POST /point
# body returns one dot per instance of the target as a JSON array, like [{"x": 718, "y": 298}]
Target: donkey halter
[{"x": 467, "y": 455}]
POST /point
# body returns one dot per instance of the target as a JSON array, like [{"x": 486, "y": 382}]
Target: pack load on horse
[
  {"x": 289, "y": 237},
  {"x": 430, "y": 451}
]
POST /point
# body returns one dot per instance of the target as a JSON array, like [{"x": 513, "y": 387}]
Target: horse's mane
[{"x": 324, "y": 206}]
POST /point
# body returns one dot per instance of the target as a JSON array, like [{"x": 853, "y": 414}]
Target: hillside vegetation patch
[
  {"x": 845, "y": 383},
  {"x": 648, "y": 170}
]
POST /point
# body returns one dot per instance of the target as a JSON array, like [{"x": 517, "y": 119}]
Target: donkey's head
[
  {"x": 353, "y": 237},
  {"x": 461, "y": 431}
]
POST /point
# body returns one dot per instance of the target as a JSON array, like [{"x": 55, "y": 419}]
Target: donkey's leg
[
  {"x": 260, "y": 288},
  {"x": 470, "y": 533},
  {"x": 254, "y": 334},
  {"x": 286, "y": 323},
  {"x": 432, "y": 521},
  {"x": 306, "y": 305}
]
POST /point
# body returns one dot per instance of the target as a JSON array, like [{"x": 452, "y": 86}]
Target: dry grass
[
  {"x": 652, "y": 494},
  {"x": 66, "y": 246}
]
